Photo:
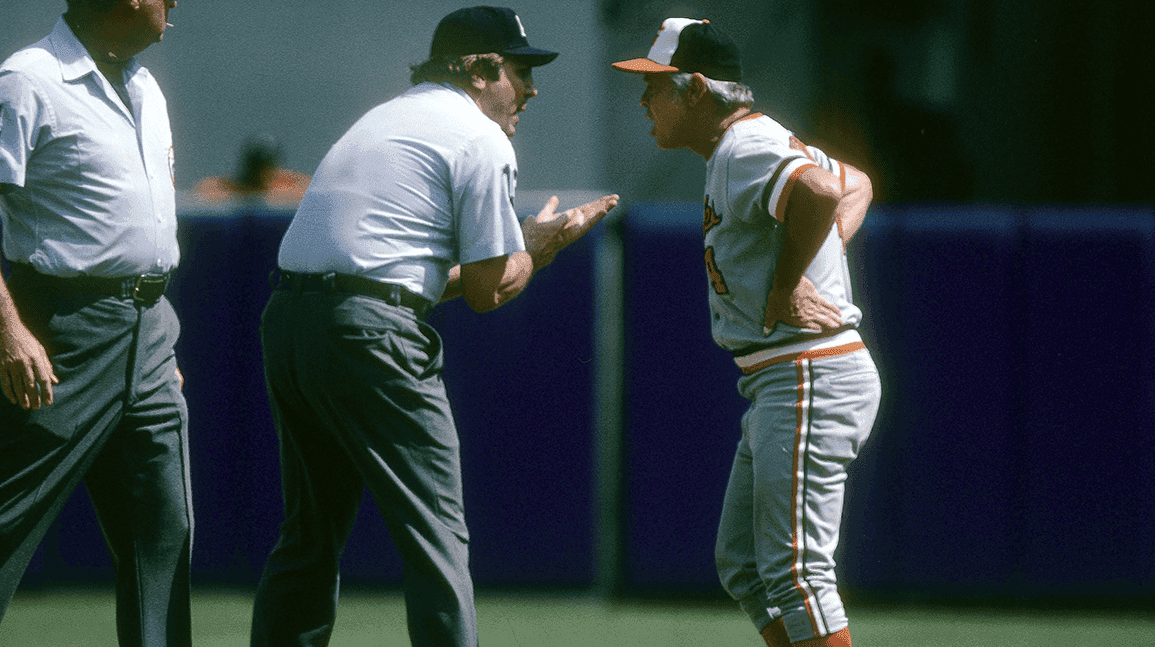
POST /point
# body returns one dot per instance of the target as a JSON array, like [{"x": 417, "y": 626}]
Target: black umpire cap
[{"x": 484, "y": 30}]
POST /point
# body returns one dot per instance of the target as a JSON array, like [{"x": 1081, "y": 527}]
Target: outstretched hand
[
  {"x": 26, "y": 374},
  {"x": 549, "y": 232},
  {"x": 802, "y": 307}
]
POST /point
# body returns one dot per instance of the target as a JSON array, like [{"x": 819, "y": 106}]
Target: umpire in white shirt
[
  {"x": 413, "y": 205},
  {"x": 90, "y": 382}
]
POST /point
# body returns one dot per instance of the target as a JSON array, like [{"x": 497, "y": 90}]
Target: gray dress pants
[
  {"x": 120, "y": 423},
  {"x": 358, "y": 401}
]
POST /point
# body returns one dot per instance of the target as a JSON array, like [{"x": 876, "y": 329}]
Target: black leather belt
[
  {"x": 391, "y": 293},
  {"x": 143, "y": 289}
]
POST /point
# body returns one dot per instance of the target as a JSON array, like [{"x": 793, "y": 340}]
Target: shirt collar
[
  {"x": 75, "y": 61},
  {"x": 460, "y": 92},
  {"x": 751, "y": 115}
]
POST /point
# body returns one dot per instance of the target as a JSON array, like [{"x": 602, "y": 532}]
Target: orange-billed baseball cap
[{"x": 687, "y": 45}]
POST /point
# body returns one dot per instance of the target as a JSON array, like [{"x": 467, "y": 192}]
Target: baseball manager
[{"x": 776, "y": 217}]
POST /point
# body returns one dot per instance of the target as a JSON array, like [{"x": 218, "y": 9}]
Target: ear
[
  {"x": 473, "y": 87},
  {"x": 698, "y": 88},
  {"x": 478, "y": 82}
]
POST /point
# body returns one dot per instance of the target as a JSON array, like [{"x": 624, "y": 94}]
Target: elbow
[
  {"x": 496, "y": 282},
  {"x": 487, "y": 297},
  {"x": 483, "y": 303},
  {"x": 815, "y": 198},
  {"x": 494, "y": 299},
  {"x": 858, "y": 183}
]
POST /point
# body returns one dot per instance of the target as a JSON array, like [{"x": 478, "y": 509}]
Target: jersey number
[{"x": 716, "y": 278}]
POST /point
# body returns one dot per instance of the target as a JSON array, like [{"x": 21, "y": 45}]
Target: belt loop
[{"x": 130, "y": 289}]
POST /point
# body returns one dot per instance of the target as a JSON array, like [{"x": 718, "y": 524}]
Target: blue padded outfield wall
[{"x": 1013, "y": 456}]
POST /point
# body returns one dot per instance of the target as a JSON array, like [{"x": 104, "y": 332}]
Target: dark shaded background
[{"x": 974, "y": 101}]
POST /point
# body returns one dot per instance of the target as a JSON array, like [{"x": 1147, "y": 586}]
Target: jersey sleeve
[
  {"x": 22, "y": 117},
  {"x": 822, "y": 159},
  {"x": 760, "y": 176},
  {"x": 485, "y": 184}
]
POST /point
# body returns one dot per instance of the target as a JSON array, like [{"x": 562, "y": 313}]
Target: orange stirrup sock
[
  {"x": 775, "y": 634},
  {"x": 836, "y": 639}
]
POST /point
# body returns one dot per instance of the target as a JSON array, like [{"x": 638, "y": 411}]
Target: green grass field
[{"x": 220, "y": 619}]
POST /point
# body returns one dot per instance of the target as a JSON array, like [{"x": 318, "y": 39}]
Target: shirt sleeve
[
  {"x": 486, "y": 180},
  {"x": 759, "y": 178},
  {"x": 825, "y": 161},
  {"x": 22, "y": 117}
]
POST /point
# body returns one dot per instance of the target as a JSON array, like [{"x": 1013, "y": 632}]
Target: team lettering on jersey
[{"x": 711, "y": 219}]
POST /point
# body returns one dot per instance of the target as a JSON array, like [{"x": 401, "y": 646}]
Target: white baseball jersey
[{"x": 749, "y": 178}]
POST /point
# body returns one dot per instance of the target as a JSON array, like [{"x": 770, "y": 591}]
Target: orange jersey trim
[
  {"x": 752, "y": 115},
  {"x": 798, "y": 145},
  {"x": 816, "y": 353}
]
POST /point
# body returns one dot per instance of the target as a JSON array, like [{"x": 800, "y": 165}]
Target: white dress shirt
[
  {"x": 420, "y": 183},
  {"x": 93, "y": 178}
]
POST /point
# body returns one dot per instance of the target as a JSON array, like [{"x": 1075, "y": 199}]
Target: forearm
[
  {"x": 809, "y": 216},
  {"x": 857, "y": 195},
  {"x": 793, "y": 260},
  {"x": 519, "y": 269},
  {"x": 10, "y": 321},
  {"x": 26, "y": 374},
  {"x": 808, "y": 223},
  {"x": 453, "y": 285},
  {"x": 490, "y": 283}
]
